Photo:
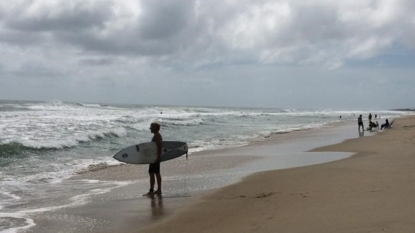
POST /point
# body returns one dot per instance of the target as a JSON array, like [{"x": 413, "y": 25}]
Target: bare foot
[{"x": 149, "y": 194}]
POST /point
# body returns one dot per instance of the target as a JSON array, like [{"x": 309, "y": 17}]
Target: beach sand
[{"x": 371, "y": 191}]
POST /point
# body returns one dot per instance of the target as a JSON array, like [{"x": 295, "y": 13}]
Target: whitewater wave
[
  {"x": 17, "y": 147},
  {"x": 22, "y": 148},
  {"x": 13, "y": 108},
  {"x": 101, "y": 134},
  {"x": 10, "y": 149},
  {"x": 182, "y": 122},
  {"x": 90, "y": 105}
]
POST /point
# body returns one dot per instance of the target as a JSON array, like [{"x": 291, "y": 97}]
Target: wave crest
[
  {"x": 15, "y": 148},
  {"x": 24, "y": 146}
]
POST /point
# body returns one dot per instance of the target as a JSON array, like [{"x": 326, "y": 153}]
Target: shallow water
[
  {"x": 42, "y": 144},
  {"x": 183, "y": 179}
]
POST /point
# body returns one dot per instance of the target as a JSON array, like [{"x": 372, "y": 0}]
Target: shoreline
[
  {"x": 206, "y": 172},
  {"x": 367, "y": 192},
  {"x": 98, "y": 172},
  {"x": 126, "y": 203}
]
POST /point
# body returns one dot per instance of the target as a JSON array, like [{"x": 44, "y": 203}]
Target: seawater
[{"x": 44, "y": 143}]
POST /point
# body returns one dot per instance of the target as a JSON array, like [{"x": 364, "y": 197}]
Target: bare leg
[
  {"x": 158, "y": 176},
  {"x": 152, "y": 181}
]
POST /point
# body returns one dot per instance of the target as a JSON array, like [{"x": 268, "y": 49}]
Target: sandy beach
[{"x": 370, "y": 191}]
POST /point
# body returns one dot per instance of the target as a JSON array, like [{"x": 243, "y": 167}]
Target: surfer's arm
[
  {"x": 158, "y": 143},
  {"x": 158, "y": 150}
]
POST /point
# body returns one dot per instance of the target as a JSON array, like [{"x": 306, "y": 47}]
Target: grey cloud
[
  {"x": 21, "y": 38},
  {"x": 164, "y": 19},
  {"x": 161, "y": 28},
  {"x": 96, "y": 62},
  {"x": 122, "y": 44},
  {"x": 214, "y": 32},
  {"x": 37, "y": 16},
  {"x": 30, "y": 70}
]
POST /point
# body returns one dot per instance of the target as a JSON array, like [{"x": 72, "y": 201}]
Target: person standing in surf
[
  {"x": 360, "y": 123},
  {"x": 154, "y": 168}
]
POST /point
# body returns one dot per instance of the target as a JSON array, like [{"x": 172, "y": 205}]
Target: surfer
[
  {"x": 154, "y": 168},
  {"x": 360, "y": 122}
]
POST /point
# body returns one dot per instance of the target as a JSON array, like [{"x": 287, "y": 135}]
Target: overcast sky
[{"x": 354, "y": 54}]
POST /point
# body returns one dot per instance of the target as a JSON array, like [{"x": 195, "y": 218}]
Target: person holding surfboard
[{"x": 154, "y": 168}]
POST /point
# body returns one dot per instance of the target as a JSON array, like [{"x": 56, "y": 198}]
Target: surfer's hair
[{"x": 155, "y": 125}]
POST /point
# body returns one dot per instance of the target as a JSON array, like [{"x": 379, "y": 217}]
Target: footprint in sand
[{"x": 264, "y": 195}]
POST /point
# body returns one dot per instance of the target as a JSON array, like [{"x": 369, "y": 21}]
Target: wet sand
[
  {"x": 191, "y": 199},
  {"x": 372, "y": 191}
]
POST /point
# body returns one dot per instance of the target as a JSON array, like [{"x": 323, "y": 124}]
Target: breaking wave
[{"x": 21, "y": 147}]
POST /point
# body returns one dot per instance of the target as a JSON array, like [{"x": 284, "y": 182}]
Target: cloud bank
[
  {"x": 102, "y": 39},
  {"x": 294, "y": 32}
]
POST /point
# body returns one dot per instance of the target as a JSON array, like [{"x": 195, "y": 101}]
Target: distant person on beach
[
  {"x": 376, "y": 116},
  {"x": 370, "y": 116},
  {"x": 386, "y": 125},
  {"x": 154, "y": 168},
  {"x": 360, "y": 123},
  {"x": 373, "y": 125}
]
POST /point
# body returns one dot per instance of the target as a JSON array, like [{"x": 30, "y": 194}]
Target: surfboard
[{"x": 146, "y": 153}]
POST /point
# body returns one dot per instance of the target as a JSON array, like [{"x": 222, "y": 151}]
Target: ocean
[{"x": 44, "y": 143}]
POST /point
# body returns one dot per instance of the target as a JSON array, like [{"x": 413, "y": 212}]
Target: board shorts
[
  {"x": 360, "y": 123},
  {"x": 154, "y": 168}
]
